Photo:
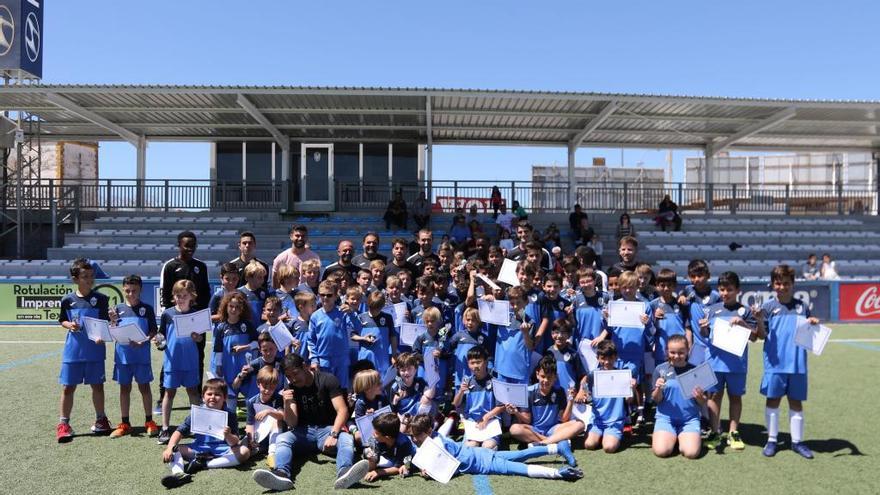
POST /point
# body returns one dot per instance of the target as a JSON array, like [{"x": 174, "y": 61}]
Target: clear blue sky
[{"x": 774, "y": 49}]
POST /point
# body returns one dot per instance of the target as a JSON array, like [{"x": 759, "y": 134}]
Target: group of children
[{"x": 443, "y": 379}]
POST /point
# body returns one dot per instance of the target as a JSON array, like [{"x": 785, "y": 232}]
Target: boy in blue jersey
[
  {"x": 299, "y": 326},
  {"x": 288, "y": 280},
  {"x": 699, "y": 295},
  {"x": 553, "y": 308},
  {"x": 548, "y": 419},
  {"x": 588, "y": 305},
  {"x": 410, "y": 395},
  {"x": 678, "y": 411},
  {"x": 568, "y": 370},
  {"x": 266, "y": 403},
  {"x": 329, "y": 337},
  {"x": 234, "y": 339},
  {"x": 377, "y": 339},
  {"x": 730, "y": 370},
  {"x": 609, "y": 414},
  {"x": 669, "y": 317},
  {"x": 474, "y": 334},
  {"x": 229, "y": 282},
  {"x": 132, "y": 361},
  {"x": 479, "y": 460},
  {"x": 390, "y": 452},
  {"x": 82, "y": 360},
  {"x": 246, "y": 381},
  {"x": 254, "y": 276},
  {"x": 785, "y": 364},
  {"x": 433, "y": 343},
  {"x": 205, "y": 452},
  {"x": 514, "y": 343},
  {"x": 475, "y": 399}
]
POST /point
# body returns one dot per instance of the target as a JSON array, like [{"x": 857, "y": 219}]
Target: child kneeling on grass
[{"x": 205, "y": 452}]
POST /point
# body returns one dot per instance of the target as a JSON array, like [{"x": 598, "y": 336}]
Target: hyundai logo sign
[
  {"x": 7, "y": 30},
  {"x": 32, "y": 37}
]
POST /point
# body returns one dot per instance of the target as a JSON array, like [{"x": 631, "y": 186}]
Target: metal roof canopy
[{"x": 316, "y": 114}]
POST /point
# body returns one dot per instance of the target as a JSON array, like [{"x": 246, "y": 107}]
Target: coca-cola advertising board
[{"x": 859, "y": 302}]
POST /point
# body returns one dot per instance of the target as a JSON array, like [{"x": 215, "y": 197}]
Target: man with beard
[
  {"x": 298, "y": 252},
  {"x": 398, "y": 262},
  {"x": 371, "y": 252},
  {"x": 525, "y": 232},
  {"x": 345, "y": 251},
  {"x": 426, "y": 250}
]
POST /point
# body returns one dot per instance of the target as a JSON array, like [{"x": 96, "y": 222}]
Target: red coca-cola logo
[{"x": 868, "y": 303}]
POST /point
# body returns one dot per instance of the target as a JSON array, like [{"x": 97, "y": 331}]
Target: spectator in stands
[
  {"x": 473, "y": 215},
  {"x": 667, "y": 214},
  {"x": 247, "y": 245},
  {"x": 829, "y": 268},
  {"x": 596, "y": 245},
  {"x": 371, "y": 252},
  {"x": 574, "y": 222},
  {"x": 505, "y": 221},
  {"x": 395, "y": 213},
  {"x": 298, "y": 252},
  {"x": 811, "y": 269},
  {"x": 519, "y": 211},
  {"x": 459, "y": 234},
  {"x": 551, "y": 238},
  {"x": 421, "y": 211},
  {"x": 496, "y": 200},
  {"x": 345, "y": 251},
  {"x": 625, "y": 227}
]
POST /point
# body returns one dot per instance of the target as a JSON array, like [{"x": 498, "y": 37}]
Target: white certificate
[
  {"x": 583, "y": 413},
  {"x": 267, "y": 426},
  {"x": 365, "y": 423},
  {"x": 488, "y": 281},
  {"x": 97, "y": 329},
  {"x": 811, "y": 337},
  {"x": 588, "y": 355},
  {"x": 409, "y": 332},
  {"x": 207, "y": 421},
  {"x": 702, "y": 376},
  {"x": 698, "y": 353},
  {"x": 432, "y": 372},
  {"x": 433, "y": 458},
  {"x": 492, "y": 430},
  {"x": 281, "y": 335},
  {"x": 609, "y": 384},
  {"x": 126, "y": 334},
  {"x": 730, "y": 338},
  {"x": 495, "y": 312},
  {"x": 515, "y": 394},
  {"x": 508, "y": 273},
  {"x": 198, "y": 322},
  {"x": 627, "y": 314},
  {"x": 399, "y": 314}
]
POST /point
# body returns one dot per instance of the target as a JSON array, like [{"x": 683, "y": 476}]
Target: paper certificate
[
  {"x": 492, "y": 430},
  {"x": 399, "y": 314},
  {"x": 281, "y": 335},
  {"x": 515, "y": 394},
  {"x": 811, "y": 337},
  {"x": 730, "y": 338},
  {"x": 269, "y": 425},
  {"x": 365, "y": 423},
  {"x": 588, "y": 355},
  {"x": 609, "y": 384},
  {"x": 435, "y": 460},
  {"x": 409, "y": 332},
  {"x": 207, "y": 421},
  {"x": 698, "y": 353},
  {"x": 495, "y": 312},
  {"x": 97, "y": 329},
  {"x": 488, "y": 281},
  {"x": 198, "y": 322},
  {"x": 702, "y": 376},
  {"x": 507, "y": 274},
  {"x": 432, "y": 372},
  {"x": 126, "y": 334},
  {"x": 627, "y": 314}
]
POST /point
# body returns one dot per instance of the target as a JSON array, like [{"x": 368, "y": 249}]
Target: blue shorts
[
  {"x": 213, "y": 448},
  {"x": 614, "y": 429},
  {"x": 507, "y": 379},
  {"x": 775, "y": 385},
  {"x": 662, "y": 423},
  {"x": 545, "y": 433},
  {"x": 735, "y": 383},
  {"x": 124, "y": 373},
  {"x": 176, "y": 379},
  {"x": 90, "y": 373}
]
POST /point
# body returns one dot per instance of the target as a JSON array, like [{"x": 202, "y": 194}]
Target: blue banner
[{"x": 21, "y": 36}]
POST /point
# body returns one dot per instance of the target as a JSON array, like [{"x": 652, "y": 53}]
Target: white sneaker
[
  {"x": 354, "y": 475},
  {"x": 269, "y": 480}
]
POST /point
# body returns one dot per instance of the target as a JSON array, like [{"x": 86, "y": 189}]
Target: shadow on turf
[{"x": 756, "y": 436}]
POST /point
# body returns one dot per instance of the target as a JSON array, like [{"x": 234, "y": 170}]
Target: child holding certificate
[
  {"x": 785, "y": 364},
  {"x": 369, "y": 398},
  {"x": 267, "y": 403},
  {"x": 389, "y": 451},
  {"x": 234, "y": 338},
  {"x": 609, "y": 413},
  {"x": 410, "y": 395},
  {"x": 377, "y": 339},
  {"x": 253, "y": 291},
  {"x": 269, "y": 356},
  {"x": 206, "y": 452},
  {"x": 132, "y": 360},
  {"x": 730, "y": 369},
  {"x": 82, "y": 360},
  {"x": 678, "y": 411},
  {"x": 181, "y": 365},
  {"x": 475, "y": 398},
  {"x": 514, "y": 343},
  {"x": 588, "y": 305}
]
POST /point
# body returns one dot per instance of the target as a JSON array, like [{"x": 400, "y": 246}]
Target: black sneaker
[
  {"x": 164, "y": 436},
  {"x": 194, "y": 466},
  {"x": 273, "y": 480},
  {"x": 176, "y": 480}
]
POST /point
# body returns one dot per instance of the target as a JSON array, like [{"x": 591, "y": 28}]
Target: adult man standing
[
  {"x": 315, "y": 412},
  {"x": 574, "y": 222},
  {"x": 247, "y": 246},
  {"x": 426, "y": 250},
  {"x": 345, "y": 251},
  {"x": 371, "y": 252},
  {"x": 298, "y": 252},
  {"x": 525, "y": 233},
  {"x": 399, "y": 249}
]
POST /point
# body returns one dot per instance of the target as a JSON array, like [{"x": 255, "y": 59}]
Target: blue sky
[{"x": 778, "y": 49}]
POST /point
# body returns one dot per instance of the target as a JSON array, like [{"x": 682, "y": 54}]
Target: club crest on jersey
[
  {"x": 706, "y": 299},
  {"x": 533, "y": 298},
  {"x": 566, "y": 357},
  {"x": 243, "y": 327},
  {"x": 601, "y": 301},
  {"x": 93, "y": 301},
  {"x": 560, "y": 305},
  {"x": 553, "y": 398},
  {"x": 142, "y": 311},
  {"x": 196, "y": 269},
  {"x": 382, "y": 321},
  {"x": 480, "y": 339},
  {"x": 799, "y": 308},
  {"x": 741, "y": 311},
  {"x": 676, "y": 309}
]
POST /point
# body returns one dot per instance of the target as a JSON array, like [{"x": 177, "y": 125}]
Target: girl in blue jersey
[
  {"x": 678, "y": 411},
  {"x": 253, "y": 290},
  {"x": 367, "y": 387},
  {"x": 235, "y": 340},
  {"x": 606, "y": 429},
  {"x": 514, "y": 343}
]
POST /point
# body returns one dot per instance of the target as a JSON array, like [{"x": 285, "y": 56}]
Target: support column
[
  {"x": 141, "y": 170},
  {"x": 572, "y": 180},
  {"x": 286, "y": 204},
  {"x": 429, "y": 149},
  {"x": 709, "y": 154}
]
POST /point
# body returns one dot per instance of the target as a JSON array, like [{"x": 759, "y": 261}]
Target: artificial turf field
[{"x": 840, "y": 427}]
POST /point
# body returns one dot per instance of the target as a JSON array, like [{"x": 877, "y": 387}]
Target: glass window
[
  {"x": 345, "y": 161},
  {"x": 376, "y": 163},
  {"x": 405, "y": 164},
  {"x": 228, "y": 161},
  {"x": 259, "y": 161}
]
